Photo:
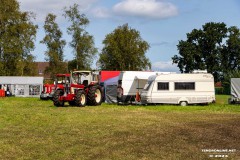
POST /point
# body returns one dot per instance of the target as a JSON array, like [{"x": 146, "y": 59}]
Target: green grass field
[{"x": 35, "y": 129}]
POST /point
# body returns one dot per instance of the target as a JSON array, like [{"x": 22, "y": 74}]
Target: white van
[
  {"x": 180, "y": 89},
  {"x": 130, "y": 83}
]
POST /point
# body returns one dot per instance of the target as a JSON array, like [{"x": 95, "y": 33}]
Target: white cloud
[
  {"x": 146, "y": 8},
  {"x": 42, "y": 7},
  {"x": 101, "y": 12},
  {"x": 165, "y": 66}
]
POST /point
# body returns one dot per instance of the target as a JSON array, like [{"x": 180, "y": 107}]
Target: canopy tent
[{"x": 22, "y": 86}]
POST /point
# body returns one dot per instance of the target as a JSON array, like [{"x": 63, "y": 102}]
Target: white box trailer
[
  {"x": 180, "y": 89},
  {"x": 235, "y": 91},
  {"x": 130, "y": 83}
]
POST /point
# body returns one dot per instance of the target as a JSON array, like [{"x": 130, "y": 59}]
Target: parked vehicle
[
  {"x": 182, "y": 89},
  {"x": 81, "y": 88},
  {"x": 235, "y": 91},
  {"x": 49, "y": 89},
  {"x": 131, "y": 83}
]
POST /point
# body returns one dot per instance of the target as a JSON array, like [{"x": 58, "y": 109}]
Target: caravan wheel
[{"x": 183, "y": 103}]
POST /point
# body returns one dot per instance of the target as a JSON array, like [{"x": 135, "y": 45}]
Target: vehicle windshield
[
  {"x": 147, "y": 86},
  {"x": 79, "y": 77},
  {"x": 62, "y": 80}
]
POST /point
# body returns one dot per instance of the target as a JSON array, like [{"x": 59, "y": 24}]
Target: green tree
[
  {"x": 17, "y": 36},
  {"x": 82, "y": 43},
  {"x": 231, "y": 51},
  {"x": 124, "y": 49},
  {"x": 30, "y": 68},
  {"x": 55, "y": 46},
  {"x": 204, "y": 49}
]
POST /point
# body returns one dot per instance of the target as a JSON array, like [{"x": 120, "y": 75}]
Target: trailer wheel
[
  {"x": 183, "y": 103},
  {"x": 95, "y": 95},
  {"x": 80, "y": 99},
  {"x": 56, "y": 101}
]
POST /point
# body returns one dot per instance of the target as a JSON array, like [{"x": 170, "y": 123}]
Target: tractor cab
[
  {"x": 85, "y": 78},
  {"x": 61, "y": 80}
]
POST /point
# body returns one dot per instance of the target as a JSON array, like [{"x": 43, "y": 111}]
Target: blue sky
[{"x": 162, "y": 23}]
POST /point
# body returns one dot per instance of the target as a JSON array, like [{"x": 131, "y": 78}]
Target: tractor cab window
[
  {"x": 76, "y": 78},
  {"x": 67, "y": 80},
  {"x": 79, "y": 78},
  {"x": 95, "y": 77},
  {"x": 60, "y": 80}
]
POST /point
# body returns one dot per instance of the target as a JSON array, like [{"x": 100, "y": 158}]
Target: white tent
[{"x": 22, "y": 86}]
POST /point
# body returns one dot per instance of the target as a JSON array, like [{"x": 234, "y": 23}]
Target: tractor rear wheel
[
  {"x": 95, "y": 95},
  {"x": 80, "y": 99},
  {"x": 57, "y": 94}
]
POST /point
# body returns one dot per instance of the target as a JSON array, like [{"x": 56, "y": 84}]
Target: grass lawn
[{"x": 35, "y": 129}]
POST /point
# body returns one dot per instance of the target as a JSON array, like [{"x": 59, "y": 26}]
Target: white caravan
[
  {"x": 131, "y": 83},
  {"x": 180, "y": 89}
]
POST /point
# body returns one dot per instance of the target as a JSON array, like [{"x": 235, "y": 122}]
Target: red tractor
[
  {"x": 49, "y": 89},
  {"x": 79, "y": 89}
]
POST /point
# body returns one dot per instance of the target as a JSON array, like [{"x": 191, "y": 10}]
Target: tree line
[
  {"x": 214, "y": 47},
  {"x": 124, "y": 47}
]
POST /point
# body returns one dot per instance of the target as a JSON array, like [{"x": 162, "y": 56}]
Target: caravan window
[
  {"x": 184, "y": 85},
  {"x": 163, "y": 86}
]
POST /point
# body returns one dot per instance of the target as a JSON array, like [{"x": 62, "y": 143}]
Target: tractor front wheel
[
  {"x": 95, "y": 95},
  {"x": 80, "y": 99},
  {"x": 56, "y": 101}
]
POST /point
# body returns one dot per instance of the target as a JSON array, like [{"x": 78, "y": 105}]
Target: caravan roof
[
  {"x": 183, "y": 77},
  {"x": 130, "y": 75}
]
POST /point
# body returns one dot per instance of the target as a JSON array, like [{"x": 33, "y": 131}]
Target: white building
[{"x": 22, "y": 86}]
